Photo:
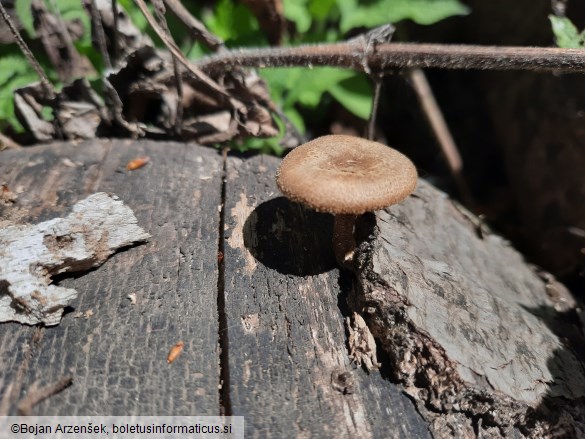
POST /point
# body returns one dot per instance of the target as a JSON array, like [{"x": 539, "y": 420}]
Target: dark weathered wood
[
  {"x": 282, "y": 321},
  {"x": 285, "y": 304},
  {"x": 472, "y": 331},
  {"x": 117, "y": 356}
]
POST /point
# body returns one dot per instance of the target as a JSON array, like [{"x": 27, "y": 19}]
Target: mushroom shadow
[{"x": 290, "y": 238}]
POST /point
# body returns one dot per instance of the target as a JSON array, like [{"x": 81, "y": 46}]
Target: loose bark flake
[{"x": 31, "y": 254}]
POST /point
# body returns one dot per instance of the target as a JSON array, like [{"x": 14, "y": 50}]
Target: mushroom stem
[{"x": 343, "y": 239}]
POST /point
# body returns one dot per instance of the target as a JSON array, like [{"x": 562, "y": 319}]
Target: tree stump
[
  {"x": 262, "y": 322},
  {"x": 482, "y": 342}
]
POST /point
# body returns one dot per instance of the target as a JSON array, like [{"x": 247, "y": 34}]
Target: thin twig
[
  {"x": 36, "y": 394},
  {"x": 369, "y": 42},
  {"x": 372, "y": 121},
  {"x": 170, "y": 44},
  {"x": 441, "y": 131},
  {"x": 45, "y": 83},
  {"x": 62, "y": 27},
  {"x": 197, "y": 30},
  {"x": 159, "y": 9},
  {"x": 116, "y": 36},
  {"x": 99, "y": 34},
  {"x": 392, "y": 56}
]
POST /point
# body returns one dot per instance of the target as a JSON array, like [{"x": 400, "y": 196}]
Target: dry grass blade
[
  {"x": 159, "y": 8},
  {"x": 116, "y": 36},
  {"x": 99, "y": 33},
  {"x": 441, "y": 132}
]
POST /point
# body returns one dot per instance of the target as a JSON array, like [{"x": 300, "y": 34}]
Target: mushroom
[{"x": 346, "y": 176}]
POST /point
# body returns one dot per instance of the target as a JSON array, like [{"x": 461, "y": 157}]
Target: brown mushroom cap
[{"x": 346, "y": 175}]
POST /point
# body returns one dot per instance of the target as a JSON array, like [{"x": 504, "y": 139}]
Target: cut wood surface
[
  {"x": 285, "y": 309},
  {"x": 271, "y": 347}
]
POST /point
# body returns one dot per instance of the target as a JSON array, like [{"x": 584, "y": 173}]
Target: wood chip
[
  {"x": 175, "y": 352},
  {"x": 137, "y": 163},
  {"x": 132, "y": 298},
  {"x": 362, "y": 346}
]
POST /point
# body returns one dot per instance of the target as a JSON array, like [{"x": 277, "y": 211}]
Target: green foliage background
[
  {"x": 297, "y": 90},
  {"x": 566, "y": 33}
]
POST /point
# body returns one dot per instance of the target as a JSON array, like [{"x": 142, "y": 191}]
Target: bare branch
[
  {"x": 170, "y": 44},
  {"x": 45, "y": 83},
  {"x": 159, "y": 9},
  {"x": 197, "y": 30},
  {"x": 441, "y": 131},
  {"x": 392, "y": 56},
  {"x": 373, "y": 113},
  {"x": 116, "y": 36},
  {"x": 99, "y": 33}
]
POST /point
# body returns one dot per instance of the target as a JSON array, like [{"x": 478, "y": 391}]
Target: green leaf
[
  {"x": 354, "y": 14},
  {"x": 321, "y": 9},
  {"x": 135, "y": 14},
  {"x": 24, "y": 14},
  {"x": 11, "y": 66},
  {"x": 7, "y": 99},
  {"x": 295, "y": 118},
  {"x": 297, "y": 12},
  {"x": 234, "y": 23},
  {"x": 566, "y": 33},
  {"x": 355, "y": 94},
  {"x": 71, "y": 10},
  {"x": 306, "y": 86},
  {"x": 47, "y": 113}
]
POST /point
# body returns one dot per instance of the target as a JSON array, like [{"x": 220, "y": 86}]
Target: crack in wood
[{"x": 223, "y": 333}]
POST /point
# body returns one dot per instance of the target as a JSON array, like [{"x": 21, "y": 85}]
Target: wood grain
[
  {"x": 280, "y": 356},
  {"x": 285, "y": 308},
  {"x": 117, "y": 356}
]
